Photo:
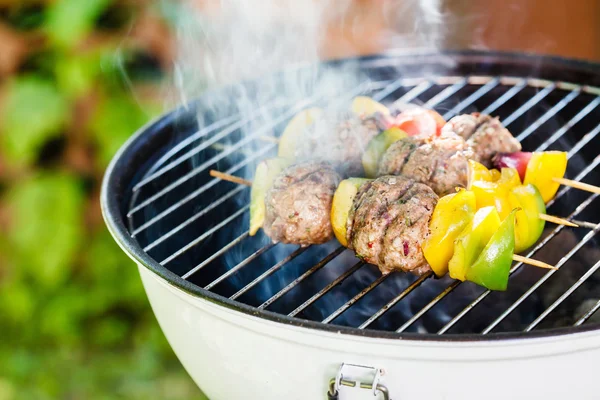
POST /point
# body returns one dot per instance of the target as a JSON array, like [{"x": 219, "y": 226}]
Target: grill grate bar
[
  {"x": 396, "y": 299},
  {"x": 411, "y": 95},
  {"x": 551, "y": 235},
  {"x": 229, "y": 129},
  {"x": 512, "y": 92},
  {"x": 472, "y": 98},
  {"x": 302, "y": 277},
  {"x": 548, "y": 114},
  {"x": 531, "y": 102},
  {"x": 327, "y": 288},
  {"x": 185, "y": 178},
  {"x": 533, "y": 288},
  {"x": 444, "y": 94},
  {"x": 395, "y": 85},
  {"x": 566, "y": 294},
  {"x": 206, "y": 234},
  {"x": 585, "y": 140},
  {"x": 580, "y": 115},
  {"x": 353, "y": 300},
  {"x": 154, "y": 172},
  {"x": 193, "y": 218},
  {"x": 199, "y": 191},
  {"x": 432, "y": 303},
  {"x": 588, "y": 314},
  {"x": 215, "y": 255},
  {"x": 269, "y": 272},
  {"x": 240, "y": 265}
]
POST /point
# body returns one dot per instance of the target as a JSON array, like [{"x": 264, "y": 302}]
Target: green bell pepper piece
[{"x": 492, "y": 267}]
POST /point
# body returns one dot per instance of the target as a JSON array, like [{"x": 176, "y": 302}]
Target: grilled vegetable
[
  {"x": 377, "y": 146},
  {"x": 342, "y": 203},
  {"x": 417, "y": 121},
  {"x": 450, "y": 217},
  {"x": 518, "y": 161},
  {"x": 537, "y": 168},
  {"x": 492, "y": 266},
  {"x": 495, "y": 193},
  {"x": 365, "y": 106},
  {"x": 478, "y": 172},
  {"x": 294, "y": 131},
  {"x": 528, "y": 225},
  {"x": 265, "y": 174},
  {"x": 471, "y": 241},
  {"x": 542, "y": 167}
]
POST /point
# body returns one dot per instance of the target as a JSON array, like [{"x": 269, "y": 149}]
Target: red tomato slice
[{"x": 419, "y": 121}]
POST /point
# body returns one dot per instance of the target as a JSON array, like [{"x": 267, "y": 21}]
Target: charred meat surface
[
  {"x": 440, "y": 163},
  {"x": 340, "y": 140},
  {"x": 388, "y": 222},
  {"x": 485, "y": 134},
  {"x": 298, "y": 204}
]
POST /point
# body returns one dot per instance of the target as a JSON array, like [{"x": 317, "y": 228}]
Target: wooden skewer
[
  {"x": 516, "y": 257},
  {"x": 577, "y": 185},
  {"x": 557, "y": 220},
  {"x": 535, "y": 263},
  {"x": 240, "y": 181},
  {"x": 229, "y": 178},
  {"x": 271, "y": 139}
]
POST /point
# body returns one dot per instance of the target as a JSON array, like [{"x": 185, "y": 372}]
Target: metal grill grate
[{"x": 197, "y": 226}]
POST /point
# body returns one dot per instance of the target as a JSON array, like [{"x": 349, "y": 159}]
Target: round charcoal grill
[{"x": 279, "y": 317}]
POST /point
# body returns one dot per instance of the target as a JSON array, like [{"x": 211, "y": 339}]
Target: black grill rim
[{"x": 129, "y": 160}]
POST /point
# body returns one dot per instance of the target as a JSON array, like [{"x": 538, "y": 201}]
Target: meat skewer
[{"x": 388, "y": 221}]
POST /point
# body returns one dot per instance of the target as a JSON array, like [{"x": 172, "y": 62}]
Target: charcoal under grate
[{"x": 196, "y": 226}]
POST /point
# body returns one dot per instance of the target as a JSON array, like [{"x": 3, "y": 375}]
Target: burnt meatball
[
  {"x": 388, "y": 222},
  {"x": 298, "y": 204},
  {"x": 440, "y": 163},
  {"x": 340, "y": 141},
  {"x": 484, "y": 134}
]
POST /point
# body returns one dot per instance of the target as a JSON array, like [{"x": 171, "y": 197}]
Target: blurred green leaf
[
  {"x": 76, "y": 75},
  {"x": 33, "y": 113},
  {"x": 115, "y": 120},
  {"x": 46, "y": 227},
  {"x": 69, "y": 21},
  {"x": 17, "y": 302}
]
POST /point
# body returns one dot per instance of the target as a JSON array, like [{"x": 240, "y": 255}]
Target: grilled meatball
[
  {"x": 298, "y": 204},
  {"x": 388, "y": 222},
  {"x": 440, "y": 163},
  {"x": 340, "y": 141},
  {"x": 485, "y": 134}
]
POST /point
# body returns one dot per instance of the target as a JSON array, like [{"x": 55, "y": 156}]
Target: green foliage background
[{"x": 78, "y": 77}]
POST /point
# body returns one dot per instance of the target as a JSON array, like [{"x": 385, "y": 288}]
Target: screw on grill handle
[{"x": 374, "y": 387}]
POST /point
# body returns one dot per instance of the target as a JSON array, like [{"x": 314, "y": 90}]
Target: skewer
[
  {"x": 577, "y": 185},
  {"x": 531, "y": 261},
  {"x": 229, "y": 178},
  {"x": 516, "y": 257},
  {"x": 557, "y": 220}
]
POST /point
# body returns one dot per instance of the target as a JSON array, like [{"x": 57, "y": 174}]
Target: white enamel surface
[{"x": 232, "y": 355}]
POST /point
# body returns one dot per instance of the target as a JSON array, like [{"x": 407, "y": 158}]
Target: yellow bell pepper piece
[
  {"x": 265, "y": 174},
  {"x": 365, "y": 106},
  {"x": 478, "y": 172},
  {"x": 471, "y": 241},
  {"x": 343, "y": 198},
  {"x": 294, "y": 131},
  {"x": 450, "y": 216},
  {"x": 542, "y": 167}
]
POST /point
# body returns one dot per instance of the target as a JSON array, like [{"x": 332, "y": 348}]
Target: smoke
[{"x": 279, "y": 44}]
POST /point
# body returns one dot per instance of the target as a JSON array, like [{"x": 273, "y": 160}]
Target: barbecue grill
[{"x": 251, "y": 319}]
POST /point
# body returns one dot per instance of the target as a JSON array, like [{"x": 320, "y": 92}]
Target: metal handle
[{"x": 374, "y": 386}]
